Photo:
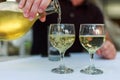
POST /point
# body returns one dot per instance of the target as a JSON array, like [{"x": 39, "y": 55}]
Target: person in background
[{"x": 73, "y": 11}]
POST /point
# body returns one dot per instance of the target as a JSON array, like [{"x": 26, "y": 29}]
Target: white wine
[
  {"x": 62, "y": 42},
  {"x": 92, "y": 42},
  {"x": 13, "y": 25}
]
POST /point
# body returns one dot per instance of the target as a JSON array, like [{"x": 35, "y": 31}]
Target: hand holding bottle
[{"x": 32, "y": 7}]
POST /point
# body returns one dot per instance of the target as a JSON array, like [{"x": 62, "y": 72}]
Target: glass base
[
  {"x": 91, "y": 70},
  {"x": 62, "y": 70}
]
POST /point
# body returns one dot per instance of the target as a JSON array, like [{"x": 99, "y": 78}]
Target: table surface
[{"x": 39, "y": 68}]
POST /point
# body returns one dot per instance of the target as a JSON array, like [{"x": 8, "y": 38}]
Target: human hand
[
  {"x": 32, "y": 7},
  {"x": 107, "y": 51}
]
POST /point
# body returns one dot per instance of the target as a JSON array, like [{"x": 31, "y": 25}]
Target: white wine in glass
[
  {"x": 92, "y": 36},
  {"x": 62, "y": 36}
]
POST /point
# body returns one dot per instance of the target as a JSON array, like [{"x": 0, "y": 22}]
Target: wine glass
[
  {"x": 92, "y": 36},
  {"x": 62, "y": 36}
]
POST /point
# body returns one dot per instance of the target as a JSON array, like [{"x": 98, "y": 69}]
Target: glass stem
[
  {"x": 62, "y": 65},
  {"x": 0, "y": 44},
  {"x": 91, "y": 60}
]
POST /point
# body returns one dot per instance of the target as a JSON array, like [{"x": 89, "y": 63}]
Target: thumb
[
  {"x": 98, "y": 52},
  {"x": 43, "y": 17}
]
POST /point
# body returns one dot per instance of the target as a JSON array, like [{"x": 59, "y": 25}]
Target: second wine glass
[
  {"x": 92, "y": 36},
  {"x": 62, "y": 36}
]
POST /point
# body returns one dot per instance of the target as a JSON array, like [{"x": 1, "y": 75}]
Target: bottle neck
[{"x": 54, "y": 7}]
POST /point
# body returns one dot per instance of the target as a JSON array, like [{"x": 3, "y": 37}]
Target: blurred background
[{"x": 110, "y": 8}]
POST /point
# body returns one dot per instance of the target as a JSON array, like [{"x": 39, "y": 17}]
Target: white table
[{"x": 39, "y": 68}]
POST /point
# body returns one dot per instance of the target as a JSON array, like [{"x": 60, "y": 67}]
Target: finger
[
  {"x": 104, "y": 50},
  {"x": 98, "y": 52},
  {"x": 107, "y": 55},
  {"x": 27, "y": 7},
  {"x": 43, "y": 17},
  {"x": 101, "y": 52},
  {"x": 43, "y": 5},
  {"x": 21, "y": 3},
  {"x": 34, "y": 10},
  {"x": 104, "y": 47}
]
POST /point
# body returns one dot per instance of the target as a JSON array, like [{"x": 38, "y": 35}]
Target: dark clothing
[{"x": 86, "y": 13}]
